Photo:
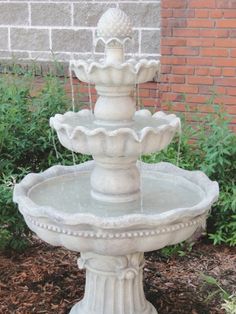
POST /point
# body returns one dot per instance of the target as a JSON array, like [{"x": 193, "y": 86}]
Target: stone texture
[
  {"x": 14, "y": 14},
  {"x": 16, "y": 55},
  {"x": 150, "y": 41},
  {"x": 50, "y": 56},
  {"x": 66, "y": 28},
  {"x": 3, "y": 38},
  {"x": 30, "y": 39},
  {"x": 67, "y": 40},
  {"x": 143, "y": 14},
  {"x": 51, "y": 14},
  {"x": 93, "y": 13}
]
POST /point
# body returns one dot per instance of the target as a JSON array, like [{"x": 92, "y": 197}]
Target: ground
[{"x": 45, "y": 279}]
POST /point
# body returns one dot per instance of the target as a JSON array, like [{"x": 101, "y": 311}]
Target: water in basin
[
  {"x": 70, "y": 194},
  {"x": 88, "y": 122}
]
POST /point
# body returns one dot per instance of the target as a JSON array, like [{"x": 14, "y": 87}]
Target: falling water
[
  {"x": 90, "y": 99},
  {"x": 72, "y": 102},
  {"x": 179, "y": 147},
  {"x": 72, "y": 88},
  {"x": 54, "y": 144},
  {"x": 141, "y": 178},
  {"x": 156, "y": 102}
]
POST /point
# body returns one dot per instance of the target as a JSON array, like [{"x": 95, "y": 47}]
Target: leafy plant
[
  {"x": 229, "y": 301},
  {"x": 26, "y": 142},
  {"x": 229, "y": 305},
  {"x": 209, "y": 146}
]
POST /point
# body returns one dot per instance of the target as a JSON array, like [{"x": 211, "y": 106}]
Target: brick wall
[
  {"x": 198, "y": 50},
  {"x": 34, "y": 29}
]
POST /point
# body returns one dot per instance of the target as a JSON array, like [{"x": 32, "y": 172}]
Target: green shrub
[
  {"x": 26, "y": 142},
  {"x": 214, "y": 152}
]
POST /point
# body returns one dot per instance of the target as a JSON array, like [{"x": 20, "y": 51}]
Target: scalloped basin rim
[
  {"x": 209, "y": 192},
  {"x": 133, "y": 65},
  {"x": 163, "y": 121}
]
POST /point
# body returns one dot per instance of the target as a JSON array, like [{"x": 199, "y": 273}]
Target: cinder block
[
  {"x": 143, "y": 14},
  {"x": 30, "y": 39},
  {"x": 15, "y": 55},
  {"x": 150, "y": 42},
  {"x": 14, "y": 14},
  {"x": 3, "y": 38},
  {"x": 51, "y": 14},
  {"x": 67, "y": 40},
  {"x": 88, "y": 14}
]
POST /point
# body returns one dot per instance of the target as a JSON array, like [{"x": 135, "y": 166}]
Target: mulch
[{"x": 46, "y": 279}]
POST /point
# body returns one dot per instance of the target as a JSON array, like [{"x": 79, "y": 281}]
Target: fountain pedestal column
[
  {"x": 115, "y": 180},
  {"x": 114, "y": 285}
]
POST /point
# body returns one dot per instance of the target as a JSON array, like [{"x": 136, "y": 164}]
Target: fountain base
[{"x": 114, "y": 285}]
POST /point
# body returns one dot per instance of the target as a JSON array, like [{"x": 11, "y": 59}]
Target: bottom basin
[
  {"x": 160, "y": 192},
  {"x": 57, "y": 205}
]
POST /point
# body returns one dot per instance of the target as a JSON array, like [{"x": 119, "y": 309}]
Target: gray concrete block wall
[{"x": 63, "y": 29}]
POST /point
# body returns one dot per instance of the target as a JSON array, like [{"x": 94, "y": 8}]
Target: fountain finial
[{"x": 114, "y": 24}]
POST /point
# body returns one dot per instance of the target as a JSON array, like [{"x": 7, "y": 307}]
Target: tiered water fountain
[{"x": 108, "y": 209}]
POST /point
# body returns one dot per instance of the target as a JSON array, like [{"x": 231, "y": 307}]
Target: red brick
[
  {"x": 214, "y": 52},
  {"x": 144, "y": 92},
  {"x": 171, "y": 97},
  {"x": 202, "y": 71},
  {"x": 185, "y": 51},
  {"x": 202, "y": 4},
  {"x": 164, "y": 88},
  {"x": 219, "y": 33},
  {"x": 200, "y": 42},
  {"x": 231, "y": 109},
  {"x": 166, "y": 50},
  {"x": 223, "y": 62},
  {"x": 228, "y": 72},
  {"x": 148, "y": 85},
  {"x": 181, "y": 88},
  {"x": 173, "y": 60},
  {"x": 229, "y": 14},
  {"x": 182, "y": 70},
  {"x": 166, "y": 32},
  {"x": 183, "y": 32},
  {"x": 201, "y": 13},
  {"x": 232, "y": 33},
  {"x": 173, "y": 42},
  {"x": 215, "y": 71},
  {"x": 230, "y": 23},
  {"x": 226, "y": 4},
  {"x": 196, "y": 98},
  {"x": 165, "y": 69},
  {"x": 225, "y": 81},
  {"x": 148, "y": 102},
  {"x": 225, "y": 43},
  {"x": 200, "y": 23},
  {"x": 231, "y": 91},
  {"x": 216, "y": 14},
  {"x": 176, "y": 23},
  {"x": 184, "y": 13},
  {"x": 174, "y": 4},
  {"x": 226, "y": 101},
  {"x": 202, "y": 80},
  {"x": 179, "y": 79},
  {"x": 199, "y": 61},
  {"x": 233, "y": 53},
  {"x": 166, "y": 13}
]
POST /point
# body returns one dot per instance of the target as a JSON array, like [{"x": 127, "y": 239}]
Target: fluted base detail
[{"x": 114, "y": 285}]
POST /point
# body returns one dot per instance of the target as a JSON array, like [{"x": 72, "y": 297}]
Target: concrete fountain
[{"x": 115, "y": 208}]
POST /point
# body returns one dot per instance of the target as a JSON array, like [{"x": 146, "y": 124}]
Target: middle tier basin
[{"x": 79, "y": 132}]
